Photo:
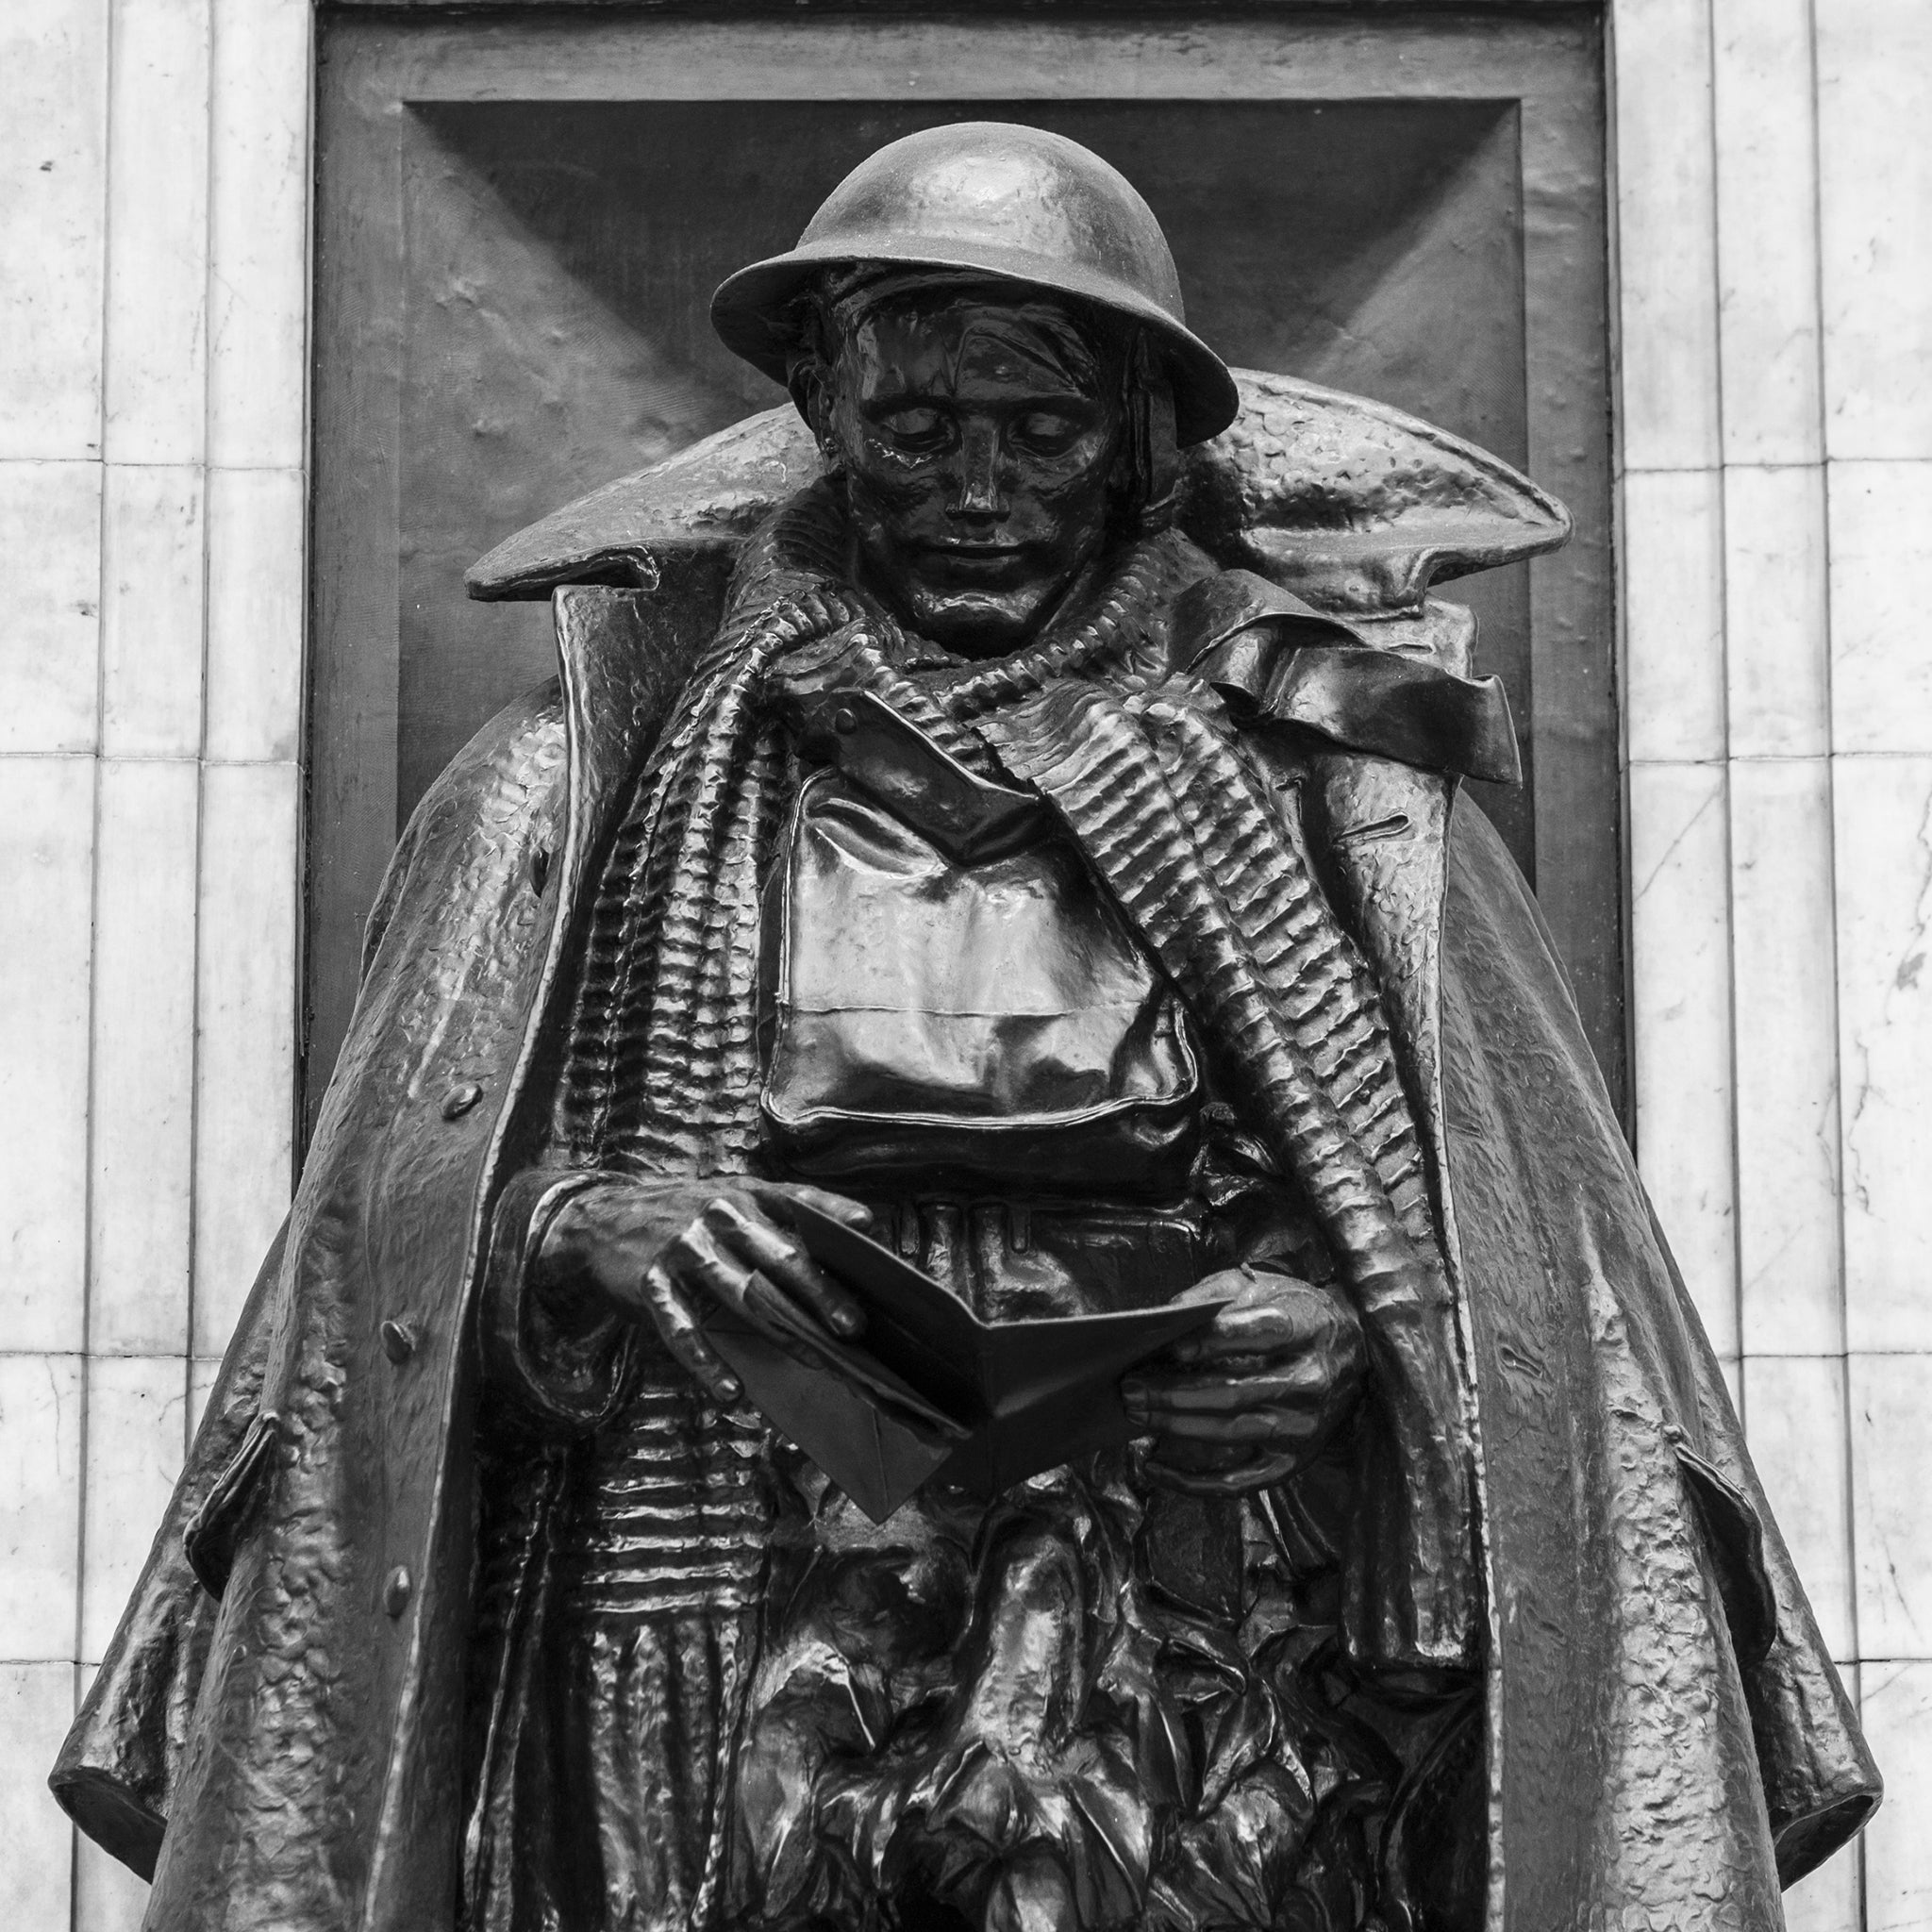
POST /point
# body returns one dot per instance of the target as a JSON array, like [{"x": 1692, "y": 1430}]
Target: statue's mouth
[{"x": 976, "y": 561}]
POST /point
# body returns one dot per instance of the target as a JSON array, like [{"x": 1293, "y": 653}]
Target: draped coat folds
[{"x": 276, "y": 1732}]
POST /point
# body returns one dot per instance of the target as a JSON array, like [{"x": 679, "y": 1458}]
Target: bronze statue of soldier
[{"x": 1047, "y": 864}]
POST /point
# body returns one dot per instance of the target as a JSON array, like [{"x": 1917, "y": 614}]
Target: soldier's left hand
[{"x": 1249, "y": 1399}]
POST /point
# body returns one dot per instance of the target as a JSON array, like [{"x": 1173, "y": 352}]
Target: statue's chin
[{"x": 977, "y": 623}]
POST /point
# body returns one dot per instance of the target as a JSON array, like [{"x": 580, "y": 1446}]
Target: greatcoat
[{"x": 276, "y": 1734}]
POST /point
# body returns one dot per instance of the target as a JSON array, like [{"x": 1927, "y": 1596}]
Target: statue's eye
[
  {"x": 1048, "y": 431},
  {"x": 917, "y": 430}
]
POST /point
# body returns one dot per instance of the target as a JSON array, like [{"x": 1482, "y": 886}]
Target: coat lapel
[{"x": 616, "y": 690}]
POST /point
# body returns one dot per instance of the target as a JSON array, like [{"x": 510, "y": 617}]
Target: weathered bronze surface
[{"x": 1048, "y": 860}]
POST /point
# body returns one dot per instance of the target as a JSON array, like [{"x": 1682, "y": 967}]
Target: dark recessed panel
[{"x": 518, "y": 235}]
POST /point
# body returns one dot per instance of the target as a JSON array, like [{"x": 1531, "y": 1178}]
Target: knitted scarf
[{"x": 662, "y": 1072}]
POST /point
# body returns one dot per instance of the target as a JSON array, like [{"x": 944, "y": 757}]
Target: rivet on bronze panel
[
  {"x": 460, "y": 1099},
  {"x": 396, "y": 1591},
  {"x": 398, "y": 1341}
]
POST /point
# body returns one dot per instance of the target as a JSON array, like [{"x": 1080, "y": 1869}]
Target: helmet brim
[{"x": 752, "y": 310}]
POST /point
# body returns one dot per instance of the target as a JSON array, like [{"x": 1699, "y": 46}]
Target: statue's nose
[{"x": 979, "y": 491}]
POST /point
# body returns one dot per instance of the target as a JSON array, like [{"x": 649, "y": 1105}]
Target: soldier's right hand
[{"x": 653, "y": 1249}]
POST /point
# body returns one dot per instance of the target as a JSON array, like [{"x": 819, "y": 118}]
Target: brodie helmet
[{"x": 1016, "y": 204}]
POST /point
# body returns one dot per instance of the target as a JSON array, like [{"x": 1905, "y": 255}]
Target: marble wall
[
  {"x": 1773, "y": 170},
  {"x": 153, "y": 226}
]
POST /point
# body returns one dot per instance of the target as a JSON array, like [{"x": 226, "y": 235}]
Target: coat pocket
[
  {"x": 215, "y": 1532},
  {"x": 1734, "y": 1535}
]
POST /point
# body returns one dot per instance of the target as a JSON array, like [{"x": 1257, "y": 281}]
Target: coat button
[
  {"x": 460, "y": 1099},
  {"x": 398, "y": 1341},
  {"x": 395, "y": 1592},
  {"x": 844, "y": 720}
]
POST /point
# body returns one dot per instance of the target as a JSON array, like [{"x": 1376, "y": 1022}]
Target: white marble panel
[
  {"x": 143, "y": 1057},
  {"x": 136, "y": 1407},
  {"x": 1666, "y": 235},
  {"x": 1891, "y": 1479},
  {"x": 1882, "y": 809},
  {"x": 1777, "y": 653},
  {"x": 258, "y": 234},
  {"x": 53, "y": 205},
  {"x": 50, "y": 626},
  {"x": 1767, "y": 234},
  {"x": 257, "y": 587},
  {"x": 40, "y": 1506},
  {"x": 157, "y": 392},
  {"x": 46, "y": 878},
  {"x": 1674, "y": 614},
  {"x": 1829, "y": 1899},
  {"x": 151, "y": 610},
  {"x": 1784, "y": 973},
  {"x": 1881, "y": 635},
  {"x": 245, "y": 1076},
  {"x": 1795, "y": 1416},
  {"x": 108, "y": 1897},
  {"x": 1680, "y": 947},
  {"x": 1897, "y": 1707},
  {"x": 1875, "y": 137},
  {"x": 37, "y": 1702}
]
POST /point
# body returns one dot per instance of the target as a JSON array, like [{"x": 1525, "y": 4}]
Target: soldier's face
[{"x": 979, "y": 439}]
